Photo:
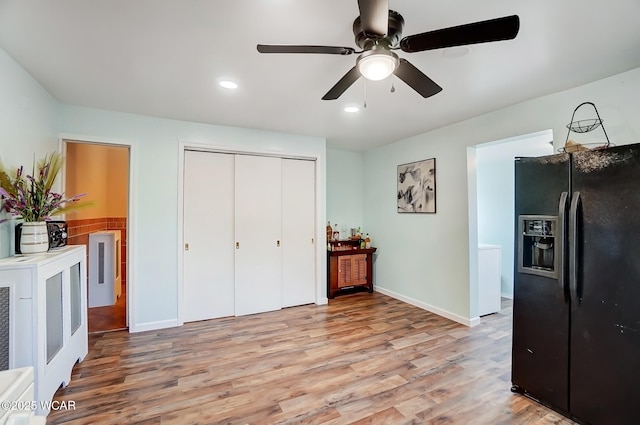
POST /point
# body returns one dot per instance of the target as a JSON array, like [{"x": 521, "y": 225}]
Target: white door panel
[
  {"x": 208, "y": 279},
  {"x": 298, "y": 244},
  {"x": 258, "y": 224}
]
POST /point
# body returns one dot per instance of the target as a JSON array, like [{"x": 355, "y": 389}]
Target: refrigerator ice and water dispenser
[{"x": 538, "y": 245}]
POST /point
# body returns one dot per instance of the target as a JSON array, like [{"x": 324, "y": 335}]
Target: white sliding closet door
[
  {"x": 298, "y": 244},
  {"x": 258, "y": 227},
  {"x": 208, "y": 279}
]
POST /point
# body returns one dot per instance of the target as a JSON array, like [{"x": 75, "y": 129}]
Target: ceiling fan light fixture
[{"x": 377, "y": 64}]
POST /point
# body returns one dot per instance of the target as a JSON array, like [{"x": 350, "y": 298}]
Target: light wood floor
[{"x": 363, "y": 359}]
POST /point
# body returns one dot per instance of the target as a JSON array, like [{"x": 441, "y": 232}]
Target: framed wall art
[{"x": 417, "y": 187}]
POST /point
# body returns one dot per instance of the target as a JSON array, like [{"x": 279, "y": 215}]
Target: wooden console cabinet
[{"x": 349, "y": 270}]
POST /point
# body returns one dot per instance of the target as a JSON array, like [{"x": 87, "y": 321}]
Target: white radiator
[
  {"x": 105, "y": 278},
  {"x": 17, "y": 395}
]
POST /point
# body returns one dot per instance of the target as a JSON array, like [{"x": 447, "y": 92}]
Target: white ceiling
[{"x": 164, "y": 58}]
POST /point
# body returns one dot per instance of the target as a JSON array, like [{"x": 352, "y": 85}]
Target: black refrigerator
[{"x": 576, "y": 304}]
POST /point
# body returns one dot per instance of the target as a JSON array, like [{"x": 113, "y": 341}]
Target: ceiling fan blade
[
  {"x": 342, "y": 85},
  {"x": 329, "y": 50},
  {"x": 505, "y": 28},
  {"x": 415, "y": 79},
  {"x": 374, "y": 17}
]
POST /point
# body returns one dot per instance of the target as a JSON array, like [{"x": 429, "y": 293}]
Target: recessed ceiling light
[
  {"x": 351, "y": 109},
  {"x": 228, "y": 84},
  {"x": 456, "y": 52}
]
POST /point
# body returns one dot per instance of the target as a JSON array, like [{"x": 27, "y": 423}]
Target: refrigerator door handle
[
  {"x": 562, "y": 215},
  {"x": 573, "y": 246}
]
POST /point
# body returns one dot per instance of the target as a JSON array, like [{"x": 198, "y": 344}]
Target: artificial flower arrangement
[{"x": 31, "y": 197}]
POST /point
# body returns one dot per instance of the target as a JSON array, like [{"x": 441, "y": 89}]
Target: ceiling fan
[{"x": 378, "y": 32}]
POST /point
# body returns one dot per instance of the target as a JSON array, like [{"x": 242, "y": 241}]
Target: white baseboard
[
  {"x": 440, "y": 312},
  {"x": 152, "y": 326}
]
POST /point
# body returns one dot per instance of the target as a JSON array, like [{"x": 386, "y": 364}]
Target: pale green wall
[
  {"x": 420, "y": 257},
  {"x": 27, "y": 128},
  {"x": 424, "y": 258},
  {"x": 345, "y": 188}
]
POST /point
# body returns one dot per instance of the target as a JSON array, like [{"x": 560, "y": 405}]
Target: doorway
[
  {"x": 101, "y": 171},
  {"x": 491, "y": 202}
]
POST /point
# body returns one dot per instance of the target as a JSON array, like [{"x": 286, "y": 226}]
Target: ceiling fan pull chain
[
  {"x": 393, "y": 89},
  {"x": 365, "y": 94}
]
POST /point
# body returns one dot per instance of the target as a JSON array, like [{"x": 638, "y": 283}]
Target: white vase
[{"x": 34, "y": 238}]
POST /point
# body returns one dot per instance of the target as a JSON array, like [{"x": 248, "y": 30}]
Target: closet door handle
[
  {"x": 237, "y": 245},
  {"x": 278, "y": 243}
]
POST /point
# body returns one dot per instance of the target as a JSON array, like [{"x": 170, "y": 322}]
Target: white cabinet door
[
  {"x": 208, "y": 278},
  {"x": 298, "y": 244},
  {"x": 258, "y": 227}
]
